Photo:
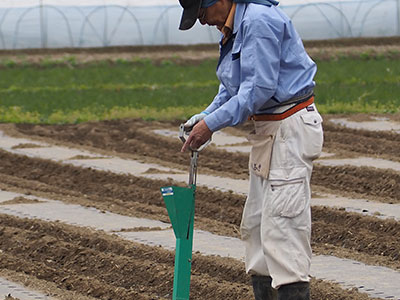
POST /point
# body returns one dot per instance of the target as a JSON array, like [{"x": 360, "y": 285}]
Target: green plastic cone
[{"x": 180, "y": 206}]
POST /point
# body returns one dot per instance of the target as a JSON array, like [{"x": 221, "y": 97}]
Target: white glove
[{"x": 195, "y": 119}]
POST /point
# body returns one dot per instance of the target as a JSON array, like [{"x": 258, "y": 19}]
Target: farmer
[{"x": 267, "y": 77}]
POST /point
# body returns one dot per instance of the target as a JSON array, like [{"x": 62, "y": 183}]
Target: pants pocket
[
  {"x": 262, "y": 140},
  {"x": 312, "y": 134},
  {"x": 260, "y": 154},
  {"x": 288, "y": 197}
]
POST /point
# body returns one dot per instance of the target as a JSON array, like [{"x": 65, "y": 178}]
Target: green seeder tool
[{"x": 180, "y": 206}]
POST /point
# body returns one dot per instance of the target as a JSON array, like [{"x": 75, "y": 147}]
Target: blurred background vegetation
[{"x": 68, "y": 91}]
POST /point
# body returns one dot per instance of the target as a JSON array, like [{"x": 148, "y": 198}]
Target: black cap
[{"x": 190, "y": 13}]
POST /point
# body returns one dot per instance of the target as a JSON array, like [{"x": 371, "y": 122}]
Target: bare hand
[{"x": 199, "y": 135}]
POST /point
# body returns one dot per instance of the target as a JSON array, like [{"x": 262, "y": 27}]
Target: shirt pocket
[{"x": 235, "y": 77}]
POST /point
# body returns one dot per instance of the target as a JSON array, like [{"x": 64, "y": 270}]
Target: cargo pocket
[
  {"x": 288, "y": 197},
  {"x": 260, "y": 154}
]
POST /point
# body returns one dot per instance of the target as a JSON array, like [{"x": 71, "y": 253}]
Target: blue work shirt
[{"x": 266, "y": 62}]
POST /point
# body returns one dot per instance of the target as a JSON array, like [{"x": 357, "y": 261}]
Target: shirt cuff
[{"x": 212, "y": 122}]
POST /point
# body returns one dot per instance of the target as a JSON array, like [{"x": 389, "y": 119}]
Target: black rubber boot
[
  {"x": 294, "y": 291},
  {"x": 262, "y": 288}
]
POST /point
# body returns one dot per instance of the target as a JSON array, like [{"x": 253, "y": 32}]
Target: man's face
[{"x": 216, "y": 14}]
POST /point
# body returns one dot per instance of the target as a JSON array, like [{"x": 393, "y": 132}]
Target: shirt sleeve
[
  {"x": 219, "y": 99},
  {"x": 260, "y": 53}
]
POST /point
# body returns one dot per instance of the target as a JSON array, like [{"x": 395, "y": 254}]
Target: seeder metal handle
[
  {"x": 193, "y": 168},
  {"x": 185, "y": 131},
  {"x": 195, "y": 153}
]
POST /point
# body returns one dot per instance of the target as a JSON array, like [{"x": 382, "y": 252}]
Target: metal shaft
[{"x": 193, "y": 168}]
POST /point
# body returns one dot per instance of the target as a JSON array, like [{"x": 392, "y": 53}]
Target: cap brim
[{"x": 189, "y": 16}]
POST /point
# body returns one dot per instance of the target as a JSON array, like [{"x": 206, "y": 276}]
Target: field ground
[
  {"x": 323, "y": 49},
  {"x": 70, "y": 260},
  {"x": 67, "y": 260}
]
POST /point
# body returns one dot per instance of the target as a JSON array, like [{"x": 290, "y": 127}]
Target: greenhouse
[{"x": 102, "y": 23}]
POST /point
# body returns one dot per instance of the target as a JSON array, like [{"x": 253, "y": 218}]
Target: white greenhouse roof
[
  {"x": 27, "y": 3},
  {"x": 102, "y": 23}
]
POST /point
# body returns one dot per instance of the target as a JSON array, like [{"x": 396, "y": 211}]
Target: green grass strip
[
  {"x": 108, "y": 87},
  {"x": 16, "y": 115},
  {"x": 65, "y": 94}
]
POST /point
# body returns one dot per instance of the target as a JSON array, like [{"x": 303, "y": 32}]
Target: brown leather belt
[{"x": 284, "y": 115}]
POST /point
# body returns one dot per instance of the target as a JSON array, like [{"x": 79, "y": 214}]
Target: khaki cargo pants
[{"x": 276, "y": 222}]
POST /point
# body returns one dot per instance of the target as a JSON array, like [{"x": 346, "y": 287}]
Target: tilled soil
[
  {"x": 9, "y": 297},
  {"x": 319, "y": 49},
  {"x": 135, "y": 137},
  {"x": 100, "y": 266},
  {"x": 106, "y": 267}
]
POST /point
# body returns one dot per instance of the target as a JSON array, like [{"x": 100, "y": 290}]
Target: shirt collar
[
  {"x": 240, "y": 9},
  {"x": 229, "y": 24}
]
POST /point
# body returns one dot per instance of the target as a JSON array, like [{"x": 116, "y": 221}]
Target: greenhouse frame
[{"x": 96, "y": 23}]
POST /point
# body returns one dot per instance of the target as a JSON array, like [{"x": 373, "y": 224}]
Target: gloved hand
[{"x": 195, "y": 119}]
